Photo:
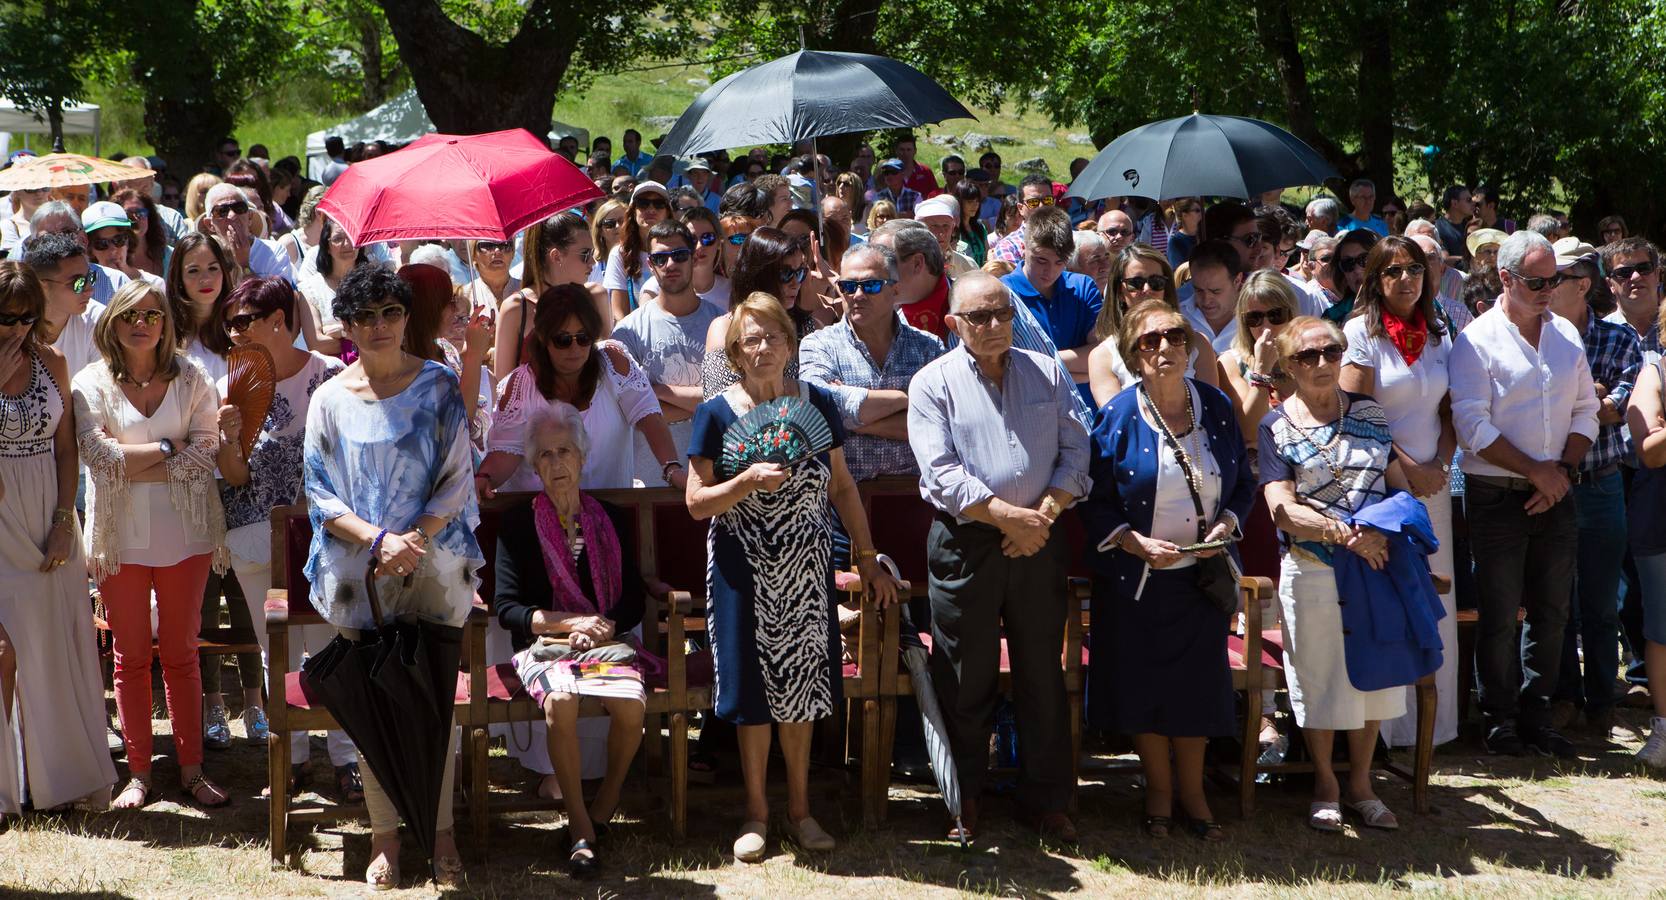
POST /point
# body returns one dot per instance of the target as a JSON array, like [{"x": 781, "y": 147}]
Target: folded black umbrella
[{"x": 394, "y": 691}]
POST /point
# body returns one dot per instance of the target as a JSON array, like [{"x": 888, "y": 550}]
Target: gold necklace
[{"x": 1324, "y": 449}]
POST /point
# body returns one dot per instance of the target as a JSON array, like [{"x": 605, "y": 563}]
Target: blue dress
[
  {"x": 770, "y": 608},
  {"x": 390, "y": 462}
]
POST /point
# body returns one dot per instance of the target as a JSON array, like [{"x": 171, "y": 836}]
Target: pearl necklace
[
  {"x": 1325, "y": 449},
  {"x": 1189, "y": 454}
]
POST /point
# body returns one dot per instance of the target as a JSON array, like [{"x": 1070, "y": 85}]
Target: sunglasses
[
  {"x": 869, "y": 286},
  {"x": 1536, "y": 284},
  {"x": 1624, "y": 273},
  {"x": 1151, "y": 340},
  {"x": 956, "y": 174},
  {"x": 610, "y": 224},
  {"x": 1309, "y": 358},
  {"x": 1346, "y": 264},
  {"x": 1254, "y": 318},
  {"x": 794, "y": 276},
  {"x": 7, "y": 320},
  {"x": 1250, "y": 241},
  {"x": 366, "y": 318},
  {"x": 564, "y": 339},
  {"x": 242, "y": 322},
  {"x": 981, "y": 318},
  {"x": 735, "y": 240},
  {"x": 1033, "y": 202},
  {"x": 708, "y": 238},
  {"x": 80, "y": 284},
  {"x": 1141, "y": 282},
  {"x": 669, "y": 257},
  {"x": 226, "y": 210},
  {"x": 1397, "y": 272},
  {"x": 135, "y": 316},
  {"x": 119, "y": 239},
  {"x": 138, "y": 212},
  {"x": 492, "y": 247},
  {"x": 652, "y": 203}
]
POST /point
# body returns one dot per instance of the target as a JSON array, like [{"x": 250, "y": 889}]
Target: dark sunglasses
[
  {"x": 1151, "y": 340},
  {"x": 7, "y": 320},
  {"x": 138, "y": 212},
  {"x": 707, "y": 238},
  {"x": 1141, "y": 282},
  {"x": 564, "y": 339},
  {"x": 1624, "y": 273},
  {"x": 794, "y": 276},
  {"x": 1254, "y": 318},
  {"x": 869, "y": 286},
  {"x": 803, "y": 242},
  {"x": 610, "y": 224},
  {"x": 1536, "y": 284},
  {"x": 493, "y": 247},
  {"x": 735, "y": 240},
  {"x": 652, "y": 203},
  {"x": 1346, "y": 264},
  {"x": 241, "y": 323},
  {"x": 119, "y": 239},
  {"x": 1117, "y": 231},
  {"x": 983, "y": 317},
  {"x": 955, "y": 174},
  {"x": 1310, "y": 357},
  {"x": 667, "y": 257},
  {"x": 236, "y": 208},
  {"x": 1250, "y": 241},
  {"x": 1397, "y": 272},
  {"x": 1033, "y": 202},
  {"x": 366, "y": 318},
  {"x": 134, "y": 316}
]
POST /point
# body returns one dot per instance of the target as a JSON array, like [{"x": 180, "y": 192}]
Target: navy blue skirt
[{"x": 1158, "y": 664}]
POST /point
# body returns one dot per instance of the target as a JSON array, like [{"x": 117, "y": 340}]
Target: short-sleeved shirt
[
  {"x": 1410, "y": 395},
  {"x": 615, "y": 279},
  {"x": 1069, "y": 315},
  {"x": 1338, "y": 475}
]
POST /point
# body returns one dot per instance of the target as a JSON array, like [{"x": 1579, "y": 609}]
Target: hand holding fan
[
  {"x": 785, "y": 431},
  {"x": 251, "y": 380}
]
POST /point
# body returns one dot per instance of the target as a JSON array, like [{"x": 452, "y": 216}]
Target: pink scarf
[{"x": 601, "y": 549}]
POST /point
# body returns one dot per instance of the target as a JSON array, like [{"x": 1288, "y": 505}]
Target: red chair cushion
[
  {"x": 1006, "y": 661},
  {"x": 298, "y": 696},
  {"x": 1272, "y": 650}
]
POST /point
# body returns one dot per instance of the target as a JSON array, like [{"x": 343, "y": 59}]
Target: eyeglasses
[
  {"x": 135, "y": 316},
  {"x": 1250, "y": 241},
  {"x": 119, "y": 239},
  {"x": 652, "y": 203},
  {"x": 7, "y": 320},
  {"x": 564, "y": 339},
  {"x": 794, "y": 276},
  {"x": 587, "y": 256},
  {"x": 1323, "y": 260},
  {"x": 1397, "y": 272},
  {"x": 138, "y": 212},
  {"x": 1624, "y": 273},
  {"x": 1141, "y": 282},
  {"x": 493, "y": 247},
  {"x": 1033, "y": 202},
  {"x": 80, "y": 284},
  {"x": 367, "y": 318},
  {"x": 708, "y": 238},
  {"x": 669, "y": 257},
  {"x": 755, "y": 341},
  {"x": 226, "y": 210},
  {"x": 1152, "y": 340},
  {"x": 869, "y": 286},
  {"x": 981, "y": 318},
  {"x": 1254, "y": 318},
  {"x": 1346, "y": 264},
  {"x": 610, "y": 224},
  {"x": 1332, "y": 353},
  {"x": 735, "y": 240},
  {"x": 1117, "y": 231},
  {"x": 1538, "y": 284},
  {"x": 242, "y": 322}
]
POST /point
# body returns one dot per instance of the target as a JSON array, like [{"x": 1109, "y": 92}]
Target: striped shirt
[{"x": 836, "y": 359}]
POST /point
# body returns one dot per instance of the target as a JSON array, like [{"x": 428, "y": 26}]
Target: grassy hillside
[{"x": 609, "y": 106}]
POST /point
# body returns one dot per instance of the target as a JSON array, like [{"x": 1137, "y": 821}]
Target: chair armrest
[
  {"x": 277, "y": 609},
  {"x": 677, "y": 606},
  {"x": 1443, "y": 584}
]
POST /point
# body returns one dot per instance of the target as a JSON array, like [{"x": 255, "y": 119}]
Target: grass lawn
[{"x": 1507, "y": 828}]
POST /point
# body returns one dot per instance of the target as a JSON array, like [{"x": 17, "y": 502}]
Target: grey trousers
[{"x": 978, "y": 595}]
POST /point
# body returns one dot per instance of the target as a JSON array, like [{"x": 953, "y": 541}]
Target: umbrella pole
[{"x": 815, "y": 190}]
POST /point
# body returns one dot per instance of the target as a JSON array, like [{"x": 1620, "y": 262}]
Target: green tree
[
  {"x": 43, "y": 63},
  {"x": 350, "y": 42}
]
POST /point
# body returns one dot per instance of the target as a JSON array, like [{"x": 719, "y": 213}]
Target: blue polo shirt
[{"x": 1067, "y": 317}]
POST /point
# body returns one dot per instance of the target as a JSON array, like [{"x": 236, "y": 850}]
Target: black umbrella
[
  {"x": 1201, "y": 156},
  {"x": 806, "y": 95},
  {"x": 393, "y": 691}
]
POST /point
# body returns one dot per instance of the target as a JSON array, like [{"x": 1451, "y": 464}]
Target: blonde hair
[
  {"x": 765, "y": 308},
  {"x": 196, "y": 194},
  {"x": 1289, "y": 340},
  {"x": 999, "y": 268},
  {"x": 880, "y": 208},
  {"x": 109, "y": 345},
  {"x": 598, "y": 238},
  {"x": 1131, "y": 322},
  {"x": 1272, "y": 289}
]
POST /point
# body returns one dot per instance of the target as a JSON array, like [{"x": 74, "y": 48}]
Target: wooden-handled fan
[
  {"x": 251, "y": 381},
  {"x": 785, "y": 431}
]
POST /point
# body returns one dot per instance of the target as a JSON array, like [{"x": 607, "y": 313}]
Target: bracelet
[
  {"x": 1260, "y": 380},
  {"x": 63, "y": 515},
  {"x": 867, "y": 554},
  {"x": 376, "y": 545},
  {"x": 666, "y": 467}
]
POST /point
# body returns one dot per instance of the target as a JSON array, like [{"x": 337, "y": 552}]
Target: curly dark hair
[{"x": 367, "y": 285}]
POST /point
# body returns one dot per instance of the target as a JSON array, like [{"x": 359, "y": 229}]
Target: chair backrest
[
  {"x": 899, "y": 519},
  {"x": 291, "y": 539}
]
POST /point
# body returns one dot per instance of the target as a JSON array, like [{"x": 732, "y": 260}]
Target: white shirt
[
  {"x": 267, "y": 258},
  {"x": 1173, "y": 515},
  {"x": 1410, "y": 396},
  {"x": 1502, "y": 387},
  {"x": 75, "y": 342},
  {"x": 1220, "y": 340},
  {"x": 1310, "y": 297}
]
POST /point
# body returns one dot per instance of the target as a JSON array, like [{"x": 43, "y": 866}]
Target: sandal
[
  {"x": 1324, "y": 815},
  {"x": 1375, "y": 814},
  {"x": 198, "y": 785},
  {"x": 1157, "y": 826},
  {"x": 146, "y": 795},
  {"x": 752, "y": 843},
  {"x": 383, "y": 872},
  {"x": 349, "y": 783},
  {"x": 1207, "y": 830},
  {"x": 448, "y": 870}
]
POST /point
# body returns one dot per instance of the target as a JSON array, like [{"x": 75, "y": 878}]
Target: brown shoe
[{"x": 1054, "y": 826}]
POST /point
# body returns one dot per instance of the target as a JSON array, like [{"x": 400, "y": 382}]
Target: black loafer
[{"x": 583, "y": 866}]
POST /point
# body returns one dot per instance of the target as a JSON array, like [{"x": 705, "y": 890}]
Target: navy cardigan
[{"x": 1124, "y": 471}]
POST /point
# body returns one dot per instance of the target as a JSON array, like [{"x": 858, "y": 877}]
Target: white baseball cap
[{"x": 940, "y": 205}]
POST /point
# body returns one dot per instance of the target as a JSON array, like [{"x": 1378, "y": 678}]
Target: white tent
[
  {"x": 398, "y": 121},
  {"x": 79, "y": 118}
]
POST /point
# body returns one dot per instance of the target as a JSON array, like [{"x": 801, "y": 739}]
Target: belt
[
  {"x": 1604, "y": 472},
  {"x": 1521, "y": 484}
]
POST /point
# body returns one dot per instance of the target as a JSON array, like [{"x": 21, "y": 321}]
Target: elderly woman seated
[{"x": 569, "y": 591}]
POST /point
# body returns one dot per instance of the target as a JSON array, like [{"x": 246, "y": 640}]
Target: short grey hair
[
  {"x": 1327, "y": 242},
  {"x": 1085, "y": 240},
  {"x": 1325, "y": 208},
  {"x": 552, "y": 418},
  {"x": 887, "y": 257},
  {"x": 432, "y": 255},
  {"x": 911, "y": 236},
  {"x": 1516, "y": 248},
  {"x": 1419, "y": 226},
  {"x": 52, "y": 210},
  {"x": 1543, "y": 224},
  {"x": 975, "y": 281},
  {"x": 1361, "y": 185},
  {"x": 1431, "y": 247}
]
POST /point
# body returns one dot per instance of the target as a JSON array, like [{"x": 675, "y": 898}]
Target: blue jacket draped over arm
[{"x": 1390, "y": 630}]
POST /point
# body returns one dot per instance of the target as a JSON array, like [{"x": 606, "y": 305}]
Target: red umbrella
[{"x": 479, "y": 186}]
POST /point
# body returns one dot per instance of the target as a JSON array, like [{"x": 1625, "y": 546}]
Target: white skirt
[
  {"x": 1315, "y": 668},
  {"x": 1402, "y": 732}
]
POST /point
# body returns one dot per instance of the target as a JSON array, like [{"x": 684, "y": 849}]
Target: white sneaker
[{"x": 1653, "y": 753}]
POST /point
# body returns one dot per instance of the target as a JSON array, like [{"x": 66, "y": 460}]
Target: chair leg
[
  {"x": 1427, "y": 700},
  {"x": 888, "y": 743},
  {"x": 653, "y": 751},
  {"x": 873, "y": 759},
  {"x": 679, "y": 775},
  {"x": 1247, "y": 763},
  {"x": 479, "y": 743},
  {"x": 1075, "y": 701},
  {"x": 277, "y": 776}
]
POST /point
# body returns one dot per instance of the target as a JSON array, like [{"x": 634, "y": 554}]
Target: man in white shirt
[
  {"x": 61, "y": 264},
  {"x": 1525, "y": 410},
  {"x": 1212, "y": 307},
  {"x": 228, "y": 217}
]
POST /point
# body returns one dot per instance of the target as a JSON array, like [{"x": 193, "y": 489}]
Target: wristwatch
[{"x": 167, "y": 447}]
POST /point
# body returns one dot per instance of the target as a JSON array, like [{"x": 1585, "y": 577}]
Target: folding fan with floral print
[{"x": 785, "y": 431}]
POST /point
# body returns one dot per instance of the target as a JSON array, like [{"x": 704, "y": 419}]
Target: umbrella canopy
[
  {"x": 1201, "y": 156},
  {"x": 809, "y": 94},
  {"x": 482, "y": 186},
  {"x": 936, "y": 732},
  {"x": 64, "y": 169},
  {"x": 393, "y": 691}
]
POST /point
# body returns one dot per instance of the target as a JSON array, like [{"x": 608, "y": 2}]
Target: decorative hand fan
[
  {"x": 786, "y": 431},
  {"x": 251, "y": 380}
]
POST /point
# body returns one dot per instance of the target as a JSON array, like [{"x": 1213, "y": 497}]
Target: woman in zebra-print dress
[{"x": 769, "y": 573}]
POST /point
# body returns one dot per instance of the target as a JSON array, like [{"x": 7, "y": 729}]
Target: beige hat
[
  {"x": 940, "y": 205},
  {"x": 1306, "y": 243},
  {"x": 1570, "y": 250},
  {"x": 1481, "y": 237}
]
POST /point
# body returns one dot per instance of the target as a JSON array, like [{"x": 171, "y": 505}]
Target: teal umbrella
[{"x": 1201, "y": 156}]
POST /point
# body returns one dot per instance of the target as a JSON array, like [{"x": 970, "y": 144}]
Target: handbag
[{"x": 1217, "y": 576}]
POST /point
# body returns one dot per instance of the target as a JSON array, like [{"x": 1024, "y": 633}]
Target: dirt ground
[{"x": 1498, "y": 828}]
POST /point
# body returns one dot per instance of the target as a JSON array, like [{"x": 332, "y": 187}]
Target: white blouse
[
  {"x": 1174, "y": 516},
  {"x": 1410, "y": 395},
  {"x": 150, "y": 531}
]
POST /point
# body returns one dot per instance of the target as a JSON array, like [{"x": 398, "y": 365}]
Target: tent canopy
[
  {"x": 398, "y": 121},
  {"x": 79, "y": 118}
]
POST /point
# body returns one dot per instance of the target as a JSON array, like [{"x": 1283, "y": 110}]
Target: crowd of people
[{"x": 1342, "y": 398}]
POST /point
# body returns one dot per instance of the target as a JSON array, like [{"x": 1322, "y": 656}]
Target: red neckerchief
[
  {"x": 1409, "y": 335},
  {"x": 927, "y": 312}
]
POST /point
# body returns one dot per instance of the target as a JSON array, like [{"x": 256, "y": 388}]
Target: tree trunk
[
  {"x": 375, "y": 88},
  {"x": 1376, "y": 98},
  {"x": 469, "y": 86},
  {"x": 55, "y": 122},
  {"x": 847, "y": 27},
  {"x": 1276, "y": 30}
]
